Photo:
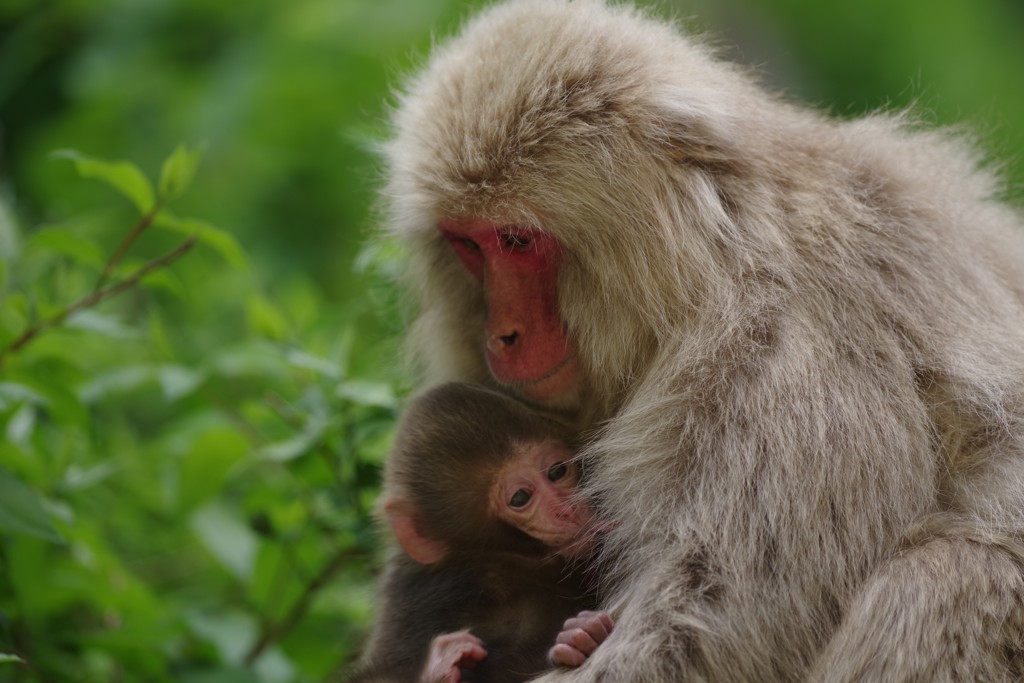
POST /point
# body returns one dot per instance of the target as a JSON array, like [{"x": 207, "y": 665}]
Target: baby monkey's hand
[{"x": 579, "y": 638}]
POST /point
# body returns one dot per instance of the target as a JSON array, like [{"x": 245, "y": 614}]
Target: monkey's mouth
[
  {"x": 526, "y": 383},
  {"x": 587, "y": 541}
]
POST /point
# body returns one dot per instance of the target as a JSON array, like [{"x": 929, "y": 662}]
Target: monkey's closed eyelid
[
  {"x": 465, "y": 243},
  {"x": 457, "y": 239},
  {"x": 515, "y": 240}
]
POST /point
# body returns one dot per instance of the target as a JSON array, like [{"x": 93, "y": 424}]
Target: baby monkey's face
[{"x": 534, "y": 491}]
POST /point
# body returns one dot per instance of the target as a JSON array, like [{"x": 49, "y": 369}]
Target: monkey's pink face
[
  {"x": 527, "y": 346},
  {"x": 533, "y": 493}
]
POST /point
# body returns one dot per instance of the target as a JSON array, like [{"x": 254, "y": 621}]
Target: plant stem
[
  {"x": 273, "y": 633},
  {"x": 126, "y": 243},
  {"x": 96, "y": 296}
]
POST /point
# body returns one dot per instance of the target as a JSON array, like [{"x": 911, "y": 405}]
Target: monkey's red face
[
  {"x": 533, "y": 493},
  {"x": 527, "y": 346}
]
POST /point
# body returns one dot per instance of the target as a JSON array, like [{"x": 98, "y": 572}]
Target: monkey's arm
[
  {"x": 949, "y": 607},
  {"x": 790, "y": 557},
  {"x": 414, "y": 606}
]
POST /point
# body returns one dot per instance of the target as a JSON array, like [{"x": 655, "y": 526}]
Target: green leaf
[
  {"x": 78, "y": 477},
  {"x": 68, "y": 243},
  {"x": 219, "y": 240},
  {"x": 217, "y": 674},
  {"x": 10, "y": 659},
  {"x": 178, "y": 381},
  {"x": 164, "y": 280},
  {"x": 249, "y": 358},
  {"x": 274, "y": 667},
  {"x": 123, "y": 176},
  {"x": 208, "y": 462},
  {"x": 264, "y": 318},
  {"x": 222, "y": 242},
  {"x": 308, "y": 361},
  {"x": 231, "y": 632},
  {"x": 227, "y": 537},
  {"x": 289, "y": 449},
  {"x": 21, "y": 425},
  {"x": 121, "y": 380},
  {"x": 14, "y": 316},
  {"x": 21, "y": 511},
  {"x": 106, "y": 325},
  {"x": 62, "y": 405},
  {"x": 367, "y": 393},
  {"x": 178, "y": 171},
  {"x": 10, "y": 232},
  {"x": 12, "y": 393}
]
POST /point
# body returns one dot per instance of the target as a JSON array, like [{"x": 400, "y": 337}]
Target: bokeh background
[{"x": 187, "y": 470}]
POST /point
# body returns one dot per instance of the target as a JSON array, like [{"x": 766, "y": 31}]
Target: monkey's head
[
  {"x": 566, "y": 182},
  {"x": 474, "y": 471}
]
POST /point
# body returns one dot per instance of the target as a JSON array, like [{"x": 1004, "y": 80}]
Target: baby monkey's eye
[
  {"x": 520, "y": 498},
  {"x": 558, "y": 471}
]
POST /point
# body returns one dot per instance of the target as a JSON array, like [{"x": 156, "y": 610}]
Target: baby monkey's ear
[{"x": 402, "y": 516}]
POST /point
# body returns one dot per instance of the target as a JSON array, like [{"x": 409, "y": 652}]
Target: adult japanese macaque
[
  {"x": 479, "y": 493},
  {"x": 800, "y": 340}
]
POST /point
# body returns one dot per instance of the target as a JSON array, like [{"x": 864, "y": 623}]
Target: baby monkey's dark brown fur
[{"x": 479, "y": 495}]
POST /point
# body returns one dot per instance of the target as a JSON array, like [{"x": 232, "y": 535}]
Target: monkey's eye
[
  {"x": 520, "y": 498},
  {"x": 468, "y": 244},
  {"x": 511, "y": 240},
  {"x": 558, "y": 471}
]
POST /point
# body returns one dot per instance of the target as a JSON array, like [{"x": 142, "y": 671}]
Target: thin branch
[
  {"x": 233, "y": 414},
  {"x": 96, "y": 297},
  {"x": 273, "y": 633},
  {"x": 283, "y": 410},
  {"x": 125, "y": 245}
]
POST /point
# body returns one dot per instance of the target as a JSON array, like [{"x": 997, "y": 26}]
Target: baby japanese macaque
[{"x": 492, "y": 584}]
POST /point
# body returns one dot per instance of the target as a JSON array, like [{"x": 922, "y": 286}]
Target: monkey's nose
[
  {"x": 567, "y": 513},
  {"x": 501, "y": 342}
]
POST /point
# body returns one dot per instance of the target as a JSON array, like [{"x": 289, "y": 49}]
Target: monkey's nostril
[{"x": 509, "y": 339}]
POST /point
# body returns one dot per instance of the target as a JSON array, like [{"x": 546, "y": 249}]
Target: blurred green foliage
[{"x": 198, "y": 386}]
